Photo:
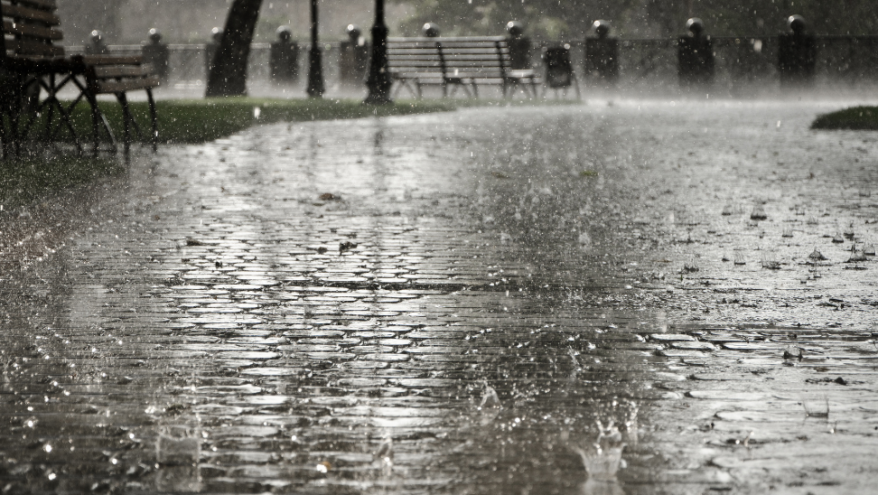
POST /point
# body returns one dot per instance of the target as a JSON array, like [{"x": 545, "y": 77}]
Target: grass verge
[
  {"x": 855, "y": 118},
  {"x": 202, "y": 120}
]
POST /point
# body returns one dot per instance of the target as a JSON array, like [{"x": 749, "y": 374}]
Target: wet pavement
[{"x": 486, "y": 301}]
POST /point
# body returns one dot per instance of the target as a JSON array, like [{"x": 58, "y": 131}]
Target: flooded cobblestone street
[{"x": 481, "y": 302}]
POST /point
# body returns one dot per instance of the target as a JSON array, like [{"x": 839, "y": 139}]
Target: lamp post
[
  {"x": 379, "y": 77},
  {"x": 315, "y": 64}
]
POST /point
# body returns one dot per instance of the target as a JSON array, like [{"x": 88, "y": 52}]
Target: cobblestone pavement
[{"x": 450, "y": 304}]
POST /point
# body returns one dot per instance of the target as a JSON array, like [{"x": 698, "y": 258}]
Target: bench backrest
[
  {"x": 30, "y": 29},
  {"x": 482, "y": 56}
]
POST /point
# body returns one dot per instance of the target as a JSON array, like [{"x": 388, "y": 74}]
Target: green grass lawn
[
  {"x": 855, "y": 118},
  {"x": 202, "y": 120}
]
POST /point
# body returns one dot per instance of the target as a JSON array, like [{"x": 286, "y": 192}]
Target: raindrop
[
  {"x": 584, "y": 240},
  {"x": 384, "y": 455},
  {"x": 490, "y": 400},
  {"x": 816, "y": 410},
  {"x": 816, "y": 256},
  {"x": 857, "y": 255},
  {"x": 758, "y": 213},
  {"x": 770, "y": 263},
  {"x": 603, "y": 458}
]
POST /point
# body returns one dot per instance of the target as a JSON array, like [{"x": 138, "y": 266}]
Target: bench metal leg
[
  {"x": 54, "y": 105},
  {"x": 4, "y": 135},
  {"x": 127, "y": 119},
  {"x": 95, "y": 125},
  {"x": 153, "y": 115},
  {"x": 6, "y": 132}
]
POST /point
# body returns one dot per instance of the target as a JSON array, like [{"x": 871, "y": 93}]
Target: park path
[{"x": 281, "y": 310}]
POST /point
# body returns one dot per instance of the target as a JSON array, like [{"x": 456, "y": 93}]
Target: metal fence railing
[{"x": 742, "y": 64}]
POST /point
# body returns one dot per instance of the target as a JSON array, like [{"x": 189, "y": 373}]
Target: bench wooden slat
[
  {"x": 114, "y": 71},
  {"x": 29, "y": 30},
  {"x": 19, "y": 12},
  {"x": 111, "y": 60},
  {"x": 32, "y": 30},
  {"x": 30, "y": 47},
  {"x": 458, "y": 62},
  {"x": 41, "y": 4},
  {"x": 444, "y": 39},
  {"x": 105, "y": 87}
]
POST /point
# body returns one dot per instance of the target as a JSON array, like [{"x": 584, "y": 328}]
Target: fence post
[
  {"x": 559, "y": 68},
  {"x": 602, "y": 55},
  {"x": 283, "y": 59},
  {"x": 96, "y": 46},
  {"x": 797, "y": 55},
  {"x": 353, "y": 57},
  {"x": 519, "y": 46},
  {"x": 157, "y": 54},
  {"x": 430, "y": 30},
  {"x": 695, "y": 57}
]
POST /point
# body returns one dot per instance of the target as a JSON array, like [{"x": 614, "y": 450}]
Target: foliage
[
  {"x": 572, "y": 19},
  {"x": 855, "y": 118}
]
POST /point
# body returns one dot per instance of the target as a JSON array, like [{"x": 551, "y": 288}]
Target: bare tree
[{"x": 228, "y": 76}]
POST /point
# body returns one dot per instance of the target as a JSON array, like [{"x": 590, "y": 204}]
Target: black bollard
[
  {"x": 797, "y": 55},
  {"x": 96, "y": 46},
  {"x": 519, "y": 46},
  {"x": 283, "y": 58},
  {"x": 354, "y": 59},
  {"x": 216, "y": 35},
  {"x": 559, "y": 69},
  {"x": 157, "y": 54},
  {"x": 695, "y": 57},
  {"x": 430, "y": 30},
  {"x": 602, "y": 56}
]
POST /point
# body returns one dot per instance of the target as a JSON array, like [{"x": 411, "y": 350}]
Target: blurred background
[{"x": 191, "y": 21}]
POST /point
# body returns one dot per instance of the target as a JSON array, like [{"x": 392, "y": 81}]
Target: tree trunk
[{"x": 228, "y": 76}]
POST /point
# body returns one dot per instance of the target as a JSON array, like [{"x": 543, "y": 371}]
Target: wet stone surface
[{"x": 457, "y": 303}]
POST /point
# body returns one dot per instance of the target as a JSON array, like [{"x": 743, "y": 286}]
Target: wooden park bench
[
  {"x": 464, "y": 63},
  {"x": 31, "y": 62}
]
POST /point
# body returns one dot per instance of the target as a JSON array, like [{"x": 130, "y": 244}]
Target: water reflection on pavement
[{"x": 492, "y": 301}]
